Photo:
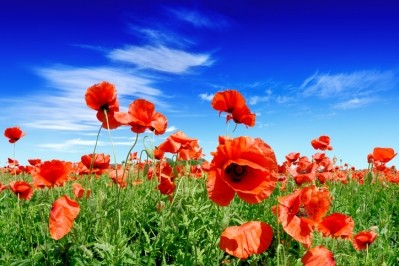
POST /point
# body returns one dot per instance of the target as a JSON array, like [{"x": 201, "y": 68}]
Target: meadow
[{"x": 166, "y": 205}]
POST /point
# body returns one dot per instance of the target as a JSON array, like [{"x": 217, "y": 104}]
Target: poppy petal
[
  {"x": 62, "y": 216},
  {"x": 250, "y": 238},
  {"x": 318, "y": 256},
  {"x": 218, "y": 191}
]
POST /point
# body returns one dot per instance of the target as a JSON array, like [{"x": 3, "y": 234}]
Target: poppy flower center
[
  {"x": 235, "y": 171},
  {"x": 104, "y": 107}
]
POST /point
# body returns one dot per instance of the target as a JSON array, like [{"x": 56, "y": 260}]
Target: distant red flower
[
  {"x": 97, "y": 162},
  {"x": 22, "y": 189},
  {"x": 2, "y": 187},
  {"x": 250, "y": 238},
  {"x": 102, "y": 98},
  {"x": 363, "y": 239},
  {"x": 12, "y": 162},
  {"x": 13, "y": 134},
  {"x": 242, "y": 116},
  {"x": 142, "y": 116},
  {"x": 318, "y": 256},
  {"x": 245, "y": 166},
  {"x": 177, "y": 141},
  {"x": 166, "y": 186},
  {"x": 118, "y": 176},
  {"x": 233, "y": 103},
  {"x": 62, "y": 216},
  {"x": 52, "y": 173},
  {"x": 383, "y": 155},
  {"x": 322, "y": 143},
  {"x": 34, "y": 162},
  {"x": 79, "y": 191},
  {"x": 337, "y": 225},
  {"x": 292, "y": 157},
  {"x": 227, "y": 101}
]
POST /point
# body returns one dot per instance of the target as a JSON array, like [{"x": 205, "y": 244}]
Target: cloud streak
[
  {"x": 200, "y": 20},
  {"x": 349, "y": 85},
  {"x": 160, "y": 58}
]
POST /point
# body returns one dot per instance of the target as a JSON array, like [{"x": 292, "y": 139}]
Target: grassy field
[{"x": 139, "y": 226}]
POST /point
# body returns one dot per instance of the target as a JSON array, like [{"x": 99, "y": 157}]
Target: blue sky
[{"x": 306, "y": 69}]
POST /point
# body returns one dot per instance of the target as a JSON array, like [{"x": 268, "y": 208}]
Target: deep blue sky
[{"x": 306, "y": 68}]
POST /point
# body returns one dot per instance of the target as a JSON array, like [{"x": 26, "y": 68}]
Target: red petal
[{"x": 62, "y": 215}]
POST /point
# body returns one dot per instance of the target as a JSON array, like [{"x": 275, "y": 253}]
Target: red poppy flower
[
  {"x": 322, "y": 143},
  {"x": 52, "y": 173},
  {"x": 12, "y": 162},
  {"x": 250, "y": 238},
  {"x": 22, "y": 189},
  {"x": 233, "y": 103},
  {"x": 289, "y": 215},
  {"x": 227, "y": 101},
  {"x": 62, "y": 216},
  {"x": 318, "y": 256},
  {"x": 166, "y": 186},
  {"x": 142, "y": 116},
  {"x": 302, "y": 210},
  {"x": 79, "y": 191},
  {"x": 305, "y": 171},
  {"x": 292, "y": 157},
  {"x": 383, "y": 155},
  {"x": 337, "y": 225},
  {"x": 245, "y": 166},
  {"x": 242, "y": 116},
  {"x": 34, "y": 162},
  {"x": 118, "y": 176},
  {"x": 13, "y": 134},
  {"x": 96, "y": 163},
  {"x": 2, "y": 187},
  {"x": 363, "y": 239},
  {"x": 102, "y": 98}
]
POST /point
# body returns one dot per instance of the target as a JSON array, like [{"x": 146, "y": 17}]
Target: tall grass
[{"x": 149, "y": 229}]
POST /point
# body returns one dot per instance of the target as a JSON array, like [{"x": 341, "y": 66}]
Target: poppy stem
[
  {"x": 94, "y": 150},
  {"x": 127, "y": 158},
  {"x": 15, "y": 170},
  {"x": 118, "y": 189}
]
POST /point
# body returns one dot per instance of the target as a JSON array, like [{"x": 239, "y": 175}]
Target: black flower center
[
  {"x": 104, "y": 107},
  {"x": 235, "y": 171}
]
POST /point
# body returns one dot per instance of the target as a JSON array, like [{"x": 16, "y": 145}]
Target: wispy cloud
[
  {"x": 206, "y": 96},
  {"x": 201, "y": 20},
  {"x": 74, "y": 143},
  {"x": 61, "y": 106},
  {"x": 160, "y": 35},
  {"x": 160, "y": 58},
  {"x": 171, "y": 129},
  {"x": 253, "y": 100},
  {"x": 354, "y": 103},
  {"x": 349, "y": 85}
]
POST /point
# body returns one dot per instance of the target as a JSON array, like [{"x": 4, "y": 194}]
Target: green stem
[
  {"x": 127, "y": 158},
  {"x": 94, "y": 151}
]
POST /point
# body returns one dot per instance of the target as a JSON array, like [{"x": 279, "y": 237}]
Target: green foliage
[{"x": 147, "y": 228}]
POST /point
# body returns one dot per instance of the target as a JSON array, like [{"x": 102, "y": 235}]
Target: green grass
[{"x": 186, "y": 231}]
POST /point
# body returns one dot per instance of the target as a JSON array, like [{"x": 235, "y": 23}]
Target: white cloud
[
  {"x": 74, "y": 143},
  {"x": 61, "y": 106},
  {"x": 69, "y": 144},
  {"x": 348, "y": 85},
  {"x": 259, "y": 99},
  {"x": 171, "y": 129},
  {"x": 160, "y": 58},
  {"x": 206, "y": 96},
  {"x": 210, "y": 20},
  {"x": 354, "y": 103},
  {"x": 162, "y": 36}
]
